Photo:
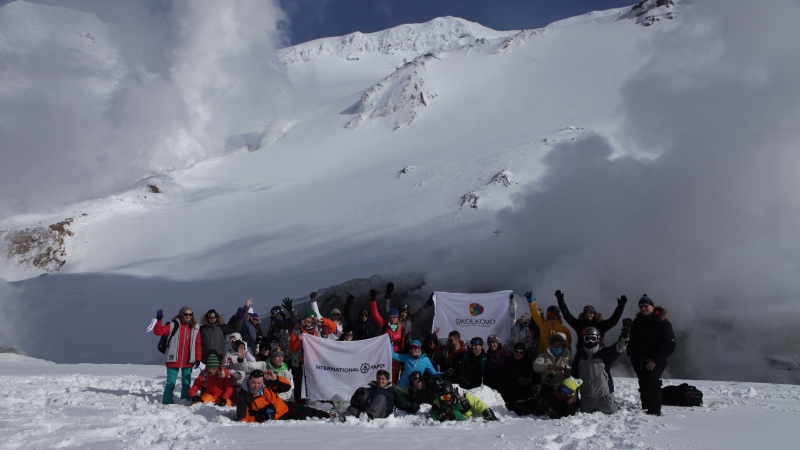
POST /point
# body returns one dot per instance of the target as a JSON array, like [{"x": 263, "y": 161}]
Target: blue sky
[{"x": 313, "y": 19}]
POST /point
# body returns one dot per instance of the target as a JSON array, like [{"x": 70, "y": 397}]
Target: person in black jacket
[
  {"x": 517, "y": 376},
  {"x": 422, "y": 389},
  {"x": 378, "y": 401},
  {"x": 652, "y": 341},
  {"x": 214, "y": 329},
  {"x": 590, "y": 317}
]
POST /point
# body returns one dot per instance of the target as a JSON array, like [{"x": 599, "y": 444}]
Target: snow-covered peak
[{"x": 439, "y": 34}]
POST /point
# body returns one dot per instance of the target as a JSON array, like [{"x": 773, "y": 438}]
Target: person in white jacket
[
  {"x": 274, "y": 364},
  {"x": 556, "y": 361}
]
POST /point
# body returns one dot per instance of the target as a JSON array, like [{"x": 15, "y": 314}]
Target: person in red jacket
[
  {"x": 393, "y": 327},
  {"x": 213, "y": 385},
  {"x": 183, "y": 352}
]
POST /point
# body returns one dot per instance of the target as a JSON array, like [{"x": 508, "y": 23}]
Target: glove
[
  {"x": 529, "y": 296},
  {"x": 622, "y": 300},
  {"x": 559, "y": 296},
  {"x": 373, "y": 294},
  {"x": 313, "y": 296},
  {"x": 265, "y": 414},
  {"x": 159, "y": 314},
  {"x": 626, "y": 327},
  {"x": 524, "y": 382},
  {"x": 389, "y": 288},
  {"x": 196, "y": 364},
  {"x": 287, "y": 304},
  {"x": 221, "y": 402},
  {"x": 196, "y": 399},
  {"x": 430, "y": 300},
  {"x": 489, "y": 415},
  {"x": 350, "y": 299},
  {"x": 464, "y": 404},
  {"x": 511, "y": 296},
  {"x": 446, "y": 415}
]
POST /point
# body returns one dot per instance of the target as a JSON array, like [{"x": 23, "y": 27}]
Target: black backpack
[
  {"x": 683, "y": 395},
  {"x": 163, "y": 343}
]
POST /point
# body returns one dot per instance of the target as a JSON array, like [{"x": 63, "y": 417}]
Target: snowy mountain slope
[{"x": 97, "y": 406}]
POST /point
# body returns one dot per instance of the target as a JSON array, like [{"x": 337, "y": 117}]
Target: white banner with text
[{"x": 473, "y": 315}]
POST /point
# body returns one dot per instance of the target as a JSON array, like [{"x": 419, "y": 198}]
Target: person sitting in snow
[
  {"x": 592, "y": 364},
  {"x": 422, "y": 388},
  {"x": 547, "y": 326},
  {"x": 518, "y": 376},
  {"x": 280, "y": 333},
  {"x": 450, "y": 405},
  {"x": 259, "y": 401},
  {"x": 378, "y": 401},
  {"x": 213, "y": 385},
  {"x": 274, "y": 363},
  {"x": 556, "y": 361},
  {"x": 590, "y": 317},
  {"x": 554, "y": 401}
]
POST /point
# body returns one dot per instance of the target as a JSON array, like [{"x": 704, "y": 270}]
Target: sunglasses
[
  {"x": 445, "y": 397},
  {"x": 188, "y": 314},
  {"x": 276, "y": 313},
  {"x": 393, "y": 317},
  {"x": 519, "y": 351},
  {"x": 565, "y": 391},
  {"x": 415, "y": 347},
  {"x": 552, "y": 314},
  {"x": 365, "y": 315}
]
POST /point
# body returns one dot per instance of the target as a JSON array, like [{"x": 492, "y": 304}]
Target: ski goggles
[
  {"x": 564, "y": 392},
  {"x": 591, "y": 338},
  {"x": 414, "y": 347},
  {"x": 446, "y": 397}
]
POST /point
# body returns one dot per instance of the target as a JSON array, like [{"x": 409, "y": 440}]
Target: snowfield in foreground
[{"x": 49, "y": 405}]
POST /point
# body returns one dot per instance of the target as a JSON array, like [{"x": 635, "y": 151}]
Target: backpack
[
  {"x": 683, "y": 395},
  {"x": 163, "y": 343}
]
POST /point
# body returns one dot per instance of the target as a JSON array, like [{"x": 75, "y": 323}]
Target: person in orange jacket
[
  {"x": 183, "y": 352},
  {"x": 213, "y": 385},
  {"x": 315, "y": 326},
  {"x": 547, "y": 326},
  {"x": 259, "y": 401}
]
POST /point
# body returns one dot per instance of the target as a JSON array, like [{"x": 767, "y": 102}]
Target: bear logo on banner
[{"x": 475, "y": 309}]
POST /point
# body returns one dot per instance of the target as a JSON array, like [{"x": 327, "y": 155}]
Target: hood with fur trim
[{"x": 599, "y": 317}]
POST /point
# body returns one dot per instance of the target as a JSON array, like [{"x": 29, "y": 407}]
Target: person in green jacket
[{"x": 450, "y": 405}]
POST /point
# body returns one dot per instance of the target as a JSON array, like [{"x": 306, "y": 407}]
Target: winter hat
[
  {"x": 310, "y": 313},
  {"x": 336, "y": 311},
  {"x": 553, "y": 308},
  {"x": 275, "y": 353},
  {"x": 254, "y": 316},
  {"x": 234, "y": 335},
  {"x": 572, "y": 383},
  {"x": 519, "y": 346},
  {"x": 646, "y": 299},
  {"x": 394, "y": 312},
  {"x": 184, "y": 309},
  {"x": 492, "y": 338},
  {"x": 559, "y": 337},
  {"x": 416, "y": 342},
  {"x": 589, "y": 309},
  {"x": 212, "y": 362}
]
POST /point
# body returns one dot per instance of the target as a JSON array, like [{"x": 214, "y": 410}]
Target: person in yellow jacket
[
  {"x": 450, "y": 405},
  {"x": 547, "y": 326}
]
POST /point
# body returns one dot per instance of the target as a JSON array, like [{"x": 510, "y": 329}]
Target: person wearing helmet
[
  {"x": 214, "y": 329},
  {"x": 590, "y": 317},
  {"x": 280, "y": 332},
  {"x": 592, "y": 364},
  {"x": 556, "y": 361},
  {"x": 549, "y": 325},
  {"x": 556, "y": 401},
  {"x": 422, "y": 388},
  {"x": 451, "y": 405}
]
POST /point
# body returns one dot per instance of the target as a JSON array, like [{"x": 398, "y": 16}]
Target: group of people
[{"x": 261, "y": 372}]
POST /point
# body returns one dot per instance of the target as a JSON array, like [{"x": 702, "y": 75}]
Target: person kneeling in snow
[
  {"x": 378, "y": 401},
  {"x": 259, "y": 402},
  {"x": 555, "y": 401},
  {"x": 592, "y": 364},
  {"x": 215, "y": 384},
  {"x": 449, "y": 405}
]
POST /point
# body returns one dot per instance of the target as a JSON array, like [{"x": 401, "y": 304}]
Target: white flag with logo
[
  {"x": 473, "y": 315},
  {"x": 335, "y": 369}
]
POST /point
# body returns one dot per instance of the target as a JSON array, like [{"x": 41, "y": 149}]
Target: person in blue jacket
[{"x": 413, "y": 361}]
